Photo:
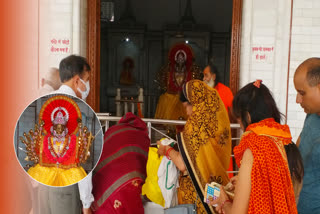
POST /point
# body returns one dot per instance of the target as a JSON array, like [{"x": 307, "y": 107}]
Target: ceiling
[{"x": 157, "y": 14}]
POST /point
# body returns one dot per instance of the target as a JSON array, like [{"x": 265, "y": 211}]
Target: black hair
[
  {"x": 258, "y": 102},
  {"x": 313, "y": 74},
  {"x": 71, "y": 66},
  {"x": 294, "y": 161},
  {"x": 183, "y": 98},
  {"x": 214, "y": 70}
]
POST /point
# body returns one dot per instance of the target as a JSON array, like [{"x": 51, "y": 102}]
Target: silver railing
[{"x": 105, "y": 120}]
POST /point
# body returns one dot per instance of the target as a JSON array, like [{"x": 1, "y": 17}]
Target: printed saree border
[
  {"x": 117, "y": 184},
  {"x": 193, "y": 176}
]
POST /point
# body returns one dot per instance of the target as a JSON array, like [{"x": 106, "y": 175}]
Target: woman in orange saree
[
  {"x": 204, "y": 145},
  {"x": 264, "y": 185}
]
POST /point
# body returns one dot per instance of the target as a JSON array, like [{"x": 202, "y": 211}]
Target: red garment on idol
[{"x": 69, "y": 160}]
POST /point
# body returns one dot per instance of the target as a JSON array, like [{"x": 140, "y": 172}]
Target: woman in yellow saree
[{"x": 204, "y": 144}]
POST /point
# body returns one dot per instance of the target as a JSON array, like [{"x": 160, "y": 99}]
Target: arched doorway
[{"x": 93, "y": 49}]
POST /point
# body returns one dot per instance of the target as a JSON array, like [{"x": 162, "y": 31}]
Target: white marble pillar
[
  {"x": 132, "y": 107},
  {"x": 125, "y": 107},
  {"x": 118, "y": 104}
]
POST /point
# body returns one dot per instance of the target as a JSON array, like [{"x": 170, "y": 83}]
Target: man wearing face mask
[
  {"x": 210, "y": 76},
  {"x": 74, "y": 74}
]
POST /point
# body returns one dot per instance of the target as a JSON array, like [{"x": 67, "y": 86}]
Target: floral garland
[
  {"x": 172, "y": 85},
  {"x": 63, "y": 158}
]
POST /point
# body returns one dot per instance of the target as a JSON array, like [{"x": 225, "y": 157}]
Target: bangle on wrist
[
  {"x": 168, "y": 152},
  {"x": 226, "y": 201}
]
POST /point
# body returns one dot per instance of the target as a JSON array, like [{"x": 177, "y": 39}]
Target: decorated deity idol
[
  {"x": 59, "y": 144},
  {"x": 179, "y": 70}
]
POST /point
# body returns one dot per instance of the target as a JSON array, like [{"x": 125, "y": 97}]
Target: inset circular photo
[{"x": 58, "y": 140}]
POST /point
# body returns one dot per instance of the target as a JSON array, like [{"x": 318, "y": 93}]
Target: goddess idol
[
  {"x": 171, "y": 77},
  {"x": 59, "y": 144}
]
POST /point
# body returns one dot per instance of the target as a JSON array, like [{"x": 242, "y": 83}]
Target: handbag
[{"x": 182, "y": 209}]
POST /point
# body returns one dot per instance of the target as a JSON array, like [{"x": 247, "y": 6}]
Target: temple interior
[{"x": 137, "y": 36}]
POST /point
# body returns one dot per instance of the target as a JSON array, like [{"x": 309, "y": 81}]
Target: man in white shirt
[
  {"x": 50, "y": 82},
  {"x": 74, "y": 74}
]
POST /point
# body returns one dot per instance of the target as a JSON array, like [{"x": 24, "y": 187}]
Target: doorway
[{"x": 94, "y": 49}]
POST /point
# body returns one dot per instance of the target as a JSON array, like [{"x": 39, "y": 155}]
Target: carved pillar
[
  {"x": 93, "y": 52},
  {"x": 235, "y": 46}
]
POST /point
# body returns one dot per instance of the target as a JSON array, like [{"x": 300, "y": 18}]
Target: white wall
[
  {"x": 305, "y": 43},
  {"x": 61, "y": 20},
  {"x": 265, "y": 44},
  {"x": 267, "y": 23}
]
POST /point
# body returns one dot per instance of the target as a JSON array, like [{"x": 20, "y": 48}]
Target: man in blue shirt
[{"x": 307, "y": 84}]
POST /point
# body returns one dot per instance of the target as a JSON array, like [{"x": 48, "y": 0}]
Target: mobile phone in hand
[{"x": 212, "y": 192}]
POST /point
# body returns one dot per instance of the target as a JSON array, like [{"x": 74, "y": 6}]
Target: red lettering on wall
[{"x": 59, "y": 45}]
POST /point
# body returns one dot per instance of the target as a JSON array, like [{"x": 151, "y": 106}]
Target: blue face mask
[{"x": 84, "y": 94}]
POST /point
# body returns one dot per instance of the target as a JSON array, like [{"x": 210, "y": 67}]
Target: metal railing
[{"x": 105, "y": 120}]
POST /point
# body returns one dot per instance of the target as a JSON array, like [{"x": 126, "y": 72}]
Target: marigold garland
[{"x": 64, "y": 157}]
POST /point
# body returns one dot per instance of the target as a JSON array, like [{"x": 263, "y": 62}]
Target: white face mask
[
  {"x": 210, "y": 83},
  {"x": 84, "y": 94}
]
